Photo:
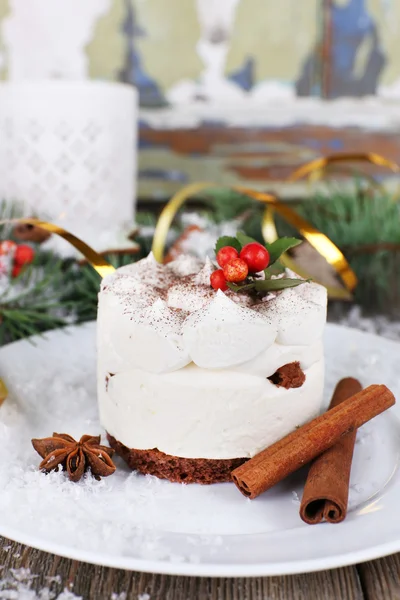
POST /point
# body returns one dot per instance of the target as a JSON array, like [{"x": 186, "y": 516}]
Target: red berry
[
  {"x": 16, "y": 270},
  {"x": 218, "y": 281},
  {"x": 226, "y": 254},
  {"x": 23, "y": 255},
  {"x": 256, "y": 257},
  {"x": 236, "y": 270}
]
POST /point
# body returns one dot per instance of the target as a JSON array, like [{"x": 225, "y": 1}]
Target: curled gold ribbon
[
  {"x": 94, "y": 258},
  {"x": 317, "y": 239},
  {"x": 320, "y": 164},
  {"x": 3, "y": 391}
]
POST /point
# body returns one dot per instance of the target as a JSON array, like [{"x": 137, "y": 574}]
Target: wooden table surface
[{"x": 66, "y": 579}]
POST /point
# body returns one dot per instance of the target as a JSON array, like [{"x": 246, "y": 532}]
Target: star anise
[{"x": 75, "y": 457}]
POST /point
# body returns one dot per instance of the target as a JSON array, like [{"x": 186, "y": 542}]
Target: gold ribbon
[
  {"x": 94, "y": 258},
  {"x": 317, "y": 239},
  {"x": 320, "y": 164},
  {"x": 3, "y": 392}
]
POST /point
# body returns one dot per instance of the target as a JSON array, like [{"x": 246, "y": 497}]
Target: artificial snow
[{"x": 16, "y": 584}]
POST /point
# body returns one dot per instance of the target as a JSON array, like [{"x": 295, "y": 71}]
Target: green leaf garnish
[
  {"x": 227, "y": 240},
  {"x": 269, "y": 285},
  {"x": 279, "y": 247},
  {"x": 276, "y": 268},
  {"x": 245, "y": 239},
  {"x": 240, "y": 288}
]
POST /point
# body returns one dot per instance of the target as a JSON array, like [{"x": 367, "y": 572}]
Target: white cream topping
[
  {"x": 203, "y": 276},
  {"x": 201, "y": 413},
  {"x": 299, "y": 314},
  {"x": 277, "y": 355},
  {"x": 161, "y": 317},
  {"x": 185, "y": 265},
  {"x": 125, "y": 341},
  {"x": 146, "y": 271},
  {"x": 223, "y": 334}
]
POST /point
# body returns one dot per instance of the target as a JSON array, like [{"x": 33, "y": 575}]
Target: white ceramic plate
[{"x": 141, "y": 523}]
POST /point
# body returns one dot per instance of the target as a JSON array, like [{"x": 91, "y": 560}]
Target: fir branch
[{"x": 31, "y": 304}]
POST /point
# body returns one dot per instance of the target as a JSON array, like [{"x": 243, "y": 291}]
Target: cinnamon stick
[
  {"x": 298, "y": 448},
  {"x": 326, "y": 491}
]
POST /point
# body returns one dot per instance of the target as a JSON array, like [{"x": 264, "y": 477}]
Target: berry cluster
[
  {"x": 236, "y": 266},
  {"x": 20, "y": 255},
  {"x": 249, "y": 267}
]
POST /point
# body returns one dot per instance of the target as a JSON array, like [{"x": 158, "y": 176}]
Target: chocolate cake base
[{"x": 175, "y": 468}]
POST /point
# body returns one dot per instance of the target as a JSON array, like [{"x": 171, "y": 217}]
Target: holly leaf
[
  {"x": 240, "y": 288},
  {"x": 227, "y": 240},
  {"x": 272, "y": 285},
  {"x": 276, "y": 268},
  {"x": 280, "y": 246},
  {"x": 245, "y": 239}
]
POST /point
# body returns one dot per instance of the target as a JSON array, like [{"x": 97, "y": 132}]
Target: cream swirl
[
  {"x": 223, "y": 334},
  {"x": 159, "y": 318}
]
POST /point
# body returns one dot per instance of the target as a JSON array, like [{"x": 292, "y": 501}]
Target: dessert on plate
[{"x": 193, "y": 380}]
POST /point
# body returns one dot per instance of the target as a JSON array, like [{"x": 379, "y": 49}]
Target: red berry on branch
[
  {"x": 226, "y": 254},
  {"x": 236, "y": 270},
  {"x": 16, "y": 270},
  {"x": 23, "y": 255},
  {"x": 256, "y": 257},
  {"x": 218, "y": 281}
]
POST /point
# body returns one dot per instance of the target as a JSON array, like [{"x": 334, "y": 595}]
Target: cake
[{"x": 193, "y": 381}]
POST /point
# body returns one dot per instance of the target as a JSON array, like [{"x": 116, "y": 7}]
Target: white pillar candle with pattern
[{"x": 68, "y": 153}]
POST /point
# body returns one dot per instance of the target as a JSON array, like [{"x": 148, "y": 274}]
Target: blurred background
[{"x": 109, "y": 107}]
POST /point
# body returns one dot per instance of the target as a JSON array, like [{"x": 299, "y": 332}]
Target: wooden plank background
[
  {"x": 376, "y": 580},
  {"x": 256, "y": 157}
]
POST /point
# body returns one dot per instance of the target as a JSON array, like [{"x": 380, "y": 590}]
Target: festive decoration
[
  {"x": 13, "y": 258},
  {"x": 236, "y": 270},
  {"x": 321, "y": 242},
  {"x": 75, "y": 457},
  {"x": 23, "y": 255},
  {"x": 96, "y": 260},
  {"x": 3, "y": 391},
  {"x": 225, "y": 255},
  {"x": 54, "y": 291},
  {"x": 317, "y": 239},
  {"x": 255, "y": 256},
  {"x": 30, "y": 233},
  {"x": 319, "y": 165},
  {"x": 29, "y": 307},
  {"x": 258, "y": 270},
  {"x": 218, "y": 280}
]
